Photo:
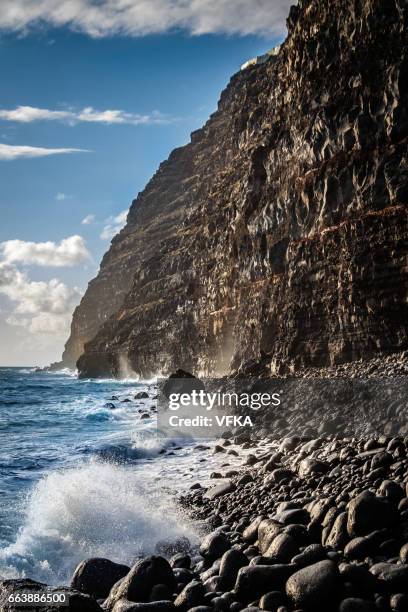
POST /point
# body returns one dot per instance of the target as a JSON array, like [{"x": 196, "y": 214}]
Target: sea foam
[{"x": 97, "y": 509}]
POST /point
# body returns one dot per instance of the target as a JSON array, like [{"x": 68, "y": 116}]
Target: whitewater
[{"x": 84, "y": 473}]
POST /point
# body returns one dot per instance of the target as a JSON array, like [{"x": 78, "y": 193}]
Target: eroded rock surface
[{"x": 279, "y": 232}]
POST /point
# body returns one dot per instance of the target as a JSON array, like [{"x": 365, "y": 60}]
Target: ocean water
[{"x": 79, "y": 479}]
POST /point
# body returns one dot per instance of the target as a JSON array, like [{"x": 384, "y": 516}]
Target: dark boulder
[
  {"x": 231, "y": 563},
  {"x": 367, "y": 513},
  {"x": 354, "y": 604},
  {"x": 316, "y": 587},
  {"x": 250, "y": 534},
  {"x": 137, "y": 585},
  {"x": 254, "y": 581},
  {"x": 220, "y": 490},
  {"x": 268, "y": 530},
  {"x": 272, "y": 601},
  {"x": 97, "y": 576},
  {"x": 214, "y": 545},
  {"x": 282, "y": 548},
  {"x": 393, "y": 578},
  {"x": 310, "y": 555},
  {"x": 191, "y": 596}
]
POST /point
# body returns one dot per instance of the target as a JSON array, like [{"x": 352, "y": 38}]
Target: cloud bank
[
  {"x": 42, "y": 307},
  {"x": 69, "y": 252},
  {"x": 141, "y": 17},
  {"x": 29, "y": 114},
  {"x": 11, "y": 152}
]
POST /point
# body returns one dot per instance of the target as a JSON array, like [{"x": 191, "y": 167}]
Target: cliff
[{"x": 279, "y": 233}]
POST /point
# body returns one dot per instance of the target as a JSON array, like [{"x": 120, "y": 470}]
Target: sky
[{"x": 94, "y": 95}]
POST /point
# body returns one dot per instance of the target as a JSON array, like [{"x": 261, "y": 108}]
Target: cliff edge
[{"x": 279, "y": 233}]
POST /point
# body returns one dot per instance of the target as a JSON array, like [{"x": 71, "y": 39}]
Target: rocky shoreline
[{"x": 304, "y": 524}]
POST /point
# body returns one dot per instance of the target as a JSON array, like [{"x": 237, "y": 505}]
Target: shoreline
[
  {"x": 289, "y": 523},
  {"x": 308, "y": 525}
]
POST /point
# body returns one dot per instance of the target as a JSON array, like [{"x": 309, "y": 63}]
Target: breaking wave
[{"x": 98, "y": 509}]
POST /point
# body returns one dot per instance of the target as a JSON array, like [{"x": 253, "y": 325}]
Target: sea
[{"x": 85, "y": 473}]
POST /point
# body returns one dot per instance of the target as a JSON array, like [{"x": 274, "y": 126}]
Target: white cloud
[
  {"x": 113, "y": 225},
  {"x": 69, "y": 252},
  {"x": 91, "y": 115},
  {"x": 88, "y": 220},
  {"x": 11, "y": 152},
  {"x": 29, "y": 114},
  {"x": 60, "y": 197},
  {"x": 140, "y": 17},
  {"x": 42, "y": 307}
]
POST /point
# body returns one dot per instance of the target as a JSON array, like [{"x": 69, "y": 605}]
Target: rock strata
[{"x": 278, "y": 234}]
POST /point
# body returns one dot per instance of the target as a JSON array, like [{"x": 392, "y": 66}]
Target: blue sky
[{"x": 162, "y": 86}]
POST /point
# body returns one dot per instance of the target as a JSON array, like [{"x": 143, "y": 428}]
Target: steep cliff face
[{"x": 280, "y": 232}]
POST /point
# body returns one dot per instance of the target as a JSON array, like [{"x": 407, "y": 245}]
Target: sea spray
[{"x": 98, "y": 509}]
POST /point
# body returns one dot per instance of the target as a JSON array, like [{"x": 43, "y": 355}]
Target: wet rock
[
  {"x": 254, "y": 581},
  {"x": 136, "y": 586},
  {"x": 231, "y": 563},
  {"x": 180, "y": 560},
  {"x": 288, "y": 444},
  {"x": 338, "y": 536},
  {"x": 141, "y": 395},
  {"x": 213, "y": 584},
  {"x": 399, "y": 602},
  {"x": 289, "y": 517},
  {"x": 394, "y": 578},
  {"x": 97, "y": 576},
  {"x": 268, "y": 529},
  {"x": 381, "y": 460},
  {"x": 272, "y": 601},
  {"x": 391, "y": 490},
  {"x": 316, "y": 587},
  {"x": 361, "y": 547},
  {"x": 403, "y": 554},
  {"x": 358, "y": 576},
  {"x": 282, "y": 548},
  {"x": 191, "y": 596},
  {"x": 250, "y": 534},
  {"x": 220, "y": 490},
  {"x": 354, "y": 604},
  {"x": 281, "y": 474},
  {"x": 310, "y": 555},
  {"x": 214, "y": 545},
  {"x": 244, "y": 479},
  {"x": 312, "y": 466},
  {"x": 161, "y": 592},
  {"x": 182, "y": 575},
  {"x": 366, "y": 513}
]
